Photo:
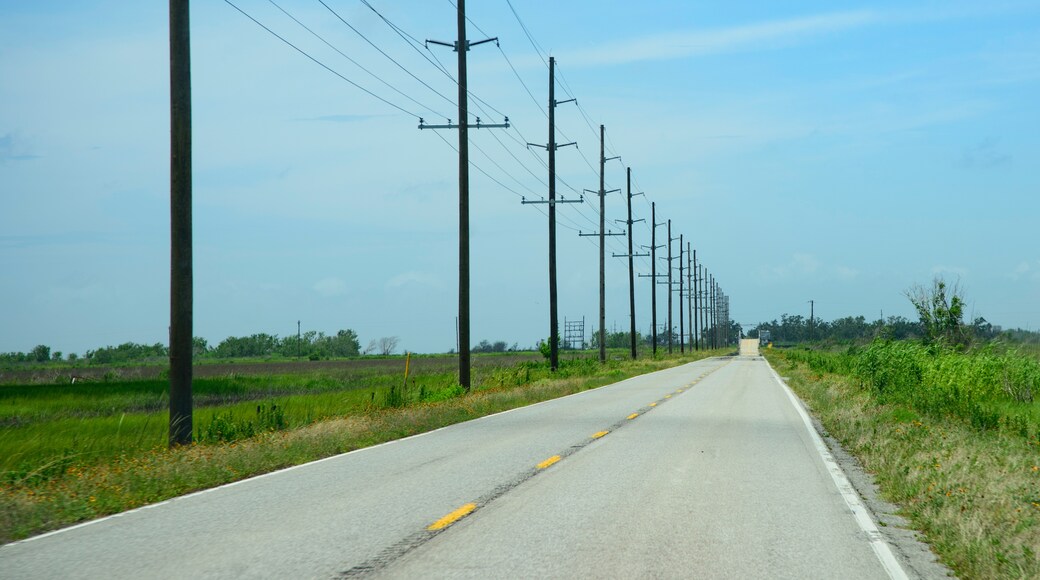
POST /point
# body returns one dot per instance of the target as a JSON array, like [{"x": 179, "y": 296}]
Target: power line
[
  {"x": 534, "y": 44},
  {"x": 354, "y": 62},
  {"x": 382, "y": 52},
  {"x": 319, "y": 63}
]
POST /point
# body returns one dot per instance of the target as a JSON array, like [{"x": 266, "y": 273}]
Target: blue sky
[{"x": 833, "y": 151}]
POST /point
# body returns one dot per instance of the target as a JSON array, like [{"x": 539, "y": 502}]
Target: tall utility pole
[
  {"x": 181, "y": 315},
  {"x": 669, "y": 286},
  {"x": 714, "y": 314},
  {"x": 702, "y": 294},
  {"x": 462, "y": 46},
  {"x": 812, "y": 305},
  {"x": 689, "y": 296},
  {"x": 631, "y": 269},
  {"x": 682, "y": 331},
  {"x": 653, "y": 275},
  {"x": 297, "y": 339},
  {"x": 602, "y": 245},
  {"x": 551, "y": 147}
]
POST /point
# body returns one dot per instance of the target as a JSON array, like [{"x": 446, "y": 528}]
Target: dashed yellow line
[
  {"x": 599, "y": 434},
  {"x": 633, "y": 416},
  {"x": 548, "y": 462},
  {"x": 653, "y": 404},
  {"x": 452, "y": 517},
  {"x": 668, "y": 396}
]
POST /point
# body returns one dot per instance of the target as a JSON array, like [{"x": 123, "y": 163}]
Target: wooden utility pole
[
  {"x": 682, "y": 331},
  {"x": 812, "y": 315},
  {"x": 692, "y": 317},
  {"x": 653, "y": 275},
  {"x": 714, "y": 315},
  {"x": 669, "y": 286},
  {"x": 462, "y": 46},
  {"x": 631, "y": 268},
  {"x": 551, "y": 147},
  {"x": 180, "y": 226},
  {"x": 694, "y": 304},
  {"x": 602, "y": 193}
]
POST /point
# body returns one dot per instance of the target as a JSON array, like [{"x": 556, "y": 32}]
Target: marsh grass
[
  {"x": 972, "y": 488},
  {"x": 78, "y": 458}
]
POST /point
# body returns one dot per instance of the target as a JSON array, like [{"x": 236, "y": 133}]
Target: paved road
[{"x": 706, "y": 470}]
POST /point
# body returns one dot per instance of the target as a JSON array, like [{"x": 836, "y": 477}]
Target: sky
[{"x": 839, "y": 152}]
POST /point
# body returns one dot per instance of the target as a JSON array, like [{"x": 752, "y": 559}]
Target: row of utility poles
[{"x": 707, "y": 306}]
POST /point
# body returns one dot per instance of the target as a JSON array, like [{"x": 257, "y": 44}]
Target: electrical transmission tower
[
  {"x": 462, "y": 46},
  {"x": 551, "y": 147},
  {"x": 602, "y": 246}
]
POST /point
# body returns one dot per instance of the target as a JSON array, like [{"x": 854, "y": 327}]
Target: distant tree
[
  {"x": 42, "y": 353},
  {"x": 488, "y": 346},
  {"x": 56, "y": 355},
  {"x": 388, "y": 344},
  {"x": 941, "y": 310},
  {"x": 199, "y": 346},
  {"x": 73, "y": 357}
]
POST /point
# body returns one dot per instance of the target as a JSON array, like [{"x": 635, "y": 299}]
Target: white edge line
[
  {"x": 881, "y": 548},
  {"x": 317, "y": 461}
]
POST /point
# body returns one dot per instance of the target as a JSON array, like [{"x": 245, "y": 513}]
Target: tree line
[{"x": 314, "y": 345}]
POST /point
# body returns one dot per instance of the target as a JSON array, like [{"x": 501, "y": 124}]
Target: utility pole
[
  {"x": 653, "y": 274},
  {"x": 297, "y": 339},
  {"x": 714, "y": 314},
  {"x": 462, "y": 46},
  {"x": 670, "y": 286},
  {"x": 551, "y": 147},
  {"x": 181, "y": 300},
  {"x": 689, "y": 296},
  {"x": 631, "y": 268},
  {"x": 602, "y": 246},
  {"x": 812, "y": 305},
  {"x": 702, "y": 296},
  {"x": 682, "y": 331}
]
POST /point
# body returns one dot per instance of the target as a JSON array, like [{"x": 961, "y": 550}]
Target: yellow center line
[
  {"x": 653, "y": 404},
  {"x": 633, "y": 416},
  {"x": 548, "y": 462},
  {"x": 599, "y": 434},
  {"x": 668, "y": 396},
  {"x": 678, "y": 391},
  {"x": 452, "y": 517}
]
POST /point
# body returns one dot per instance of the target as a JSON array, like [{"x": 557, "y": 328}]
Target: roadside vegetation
[
  {"x": 75, "y": 451},
  {"x": 949, "y": 425}
]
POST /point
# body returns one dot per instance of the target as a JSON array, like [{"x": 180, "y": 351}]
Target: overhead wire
[
  {"x": 382, "y": 52},
  {"x": 321, "y": 64},
  {"x": 352, "y": 61}
]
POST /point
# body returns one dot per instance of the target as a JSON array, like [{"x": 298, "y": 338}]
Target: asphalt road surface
[{"x": 709, "y": 470}]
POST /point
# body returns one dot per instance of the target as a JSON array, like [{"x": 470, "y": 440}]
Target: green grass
[
  {"x": 947, "y": 436},
  {"x": 73, "y": 452}
]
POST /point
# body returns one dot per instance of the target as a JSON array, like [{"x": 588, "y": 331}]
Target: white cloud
[
  {"x": 846, "y": 273},
  {"x": 414, "y": 278},
  {"x": 329, "y": 287},
  {"x": 672, "y": 45}
]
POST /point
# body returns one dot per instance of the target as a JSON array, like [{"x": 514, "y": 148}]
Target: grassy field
[
  {"x": 70, "y": 452},
  {"x": 950, "y": 437}
]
